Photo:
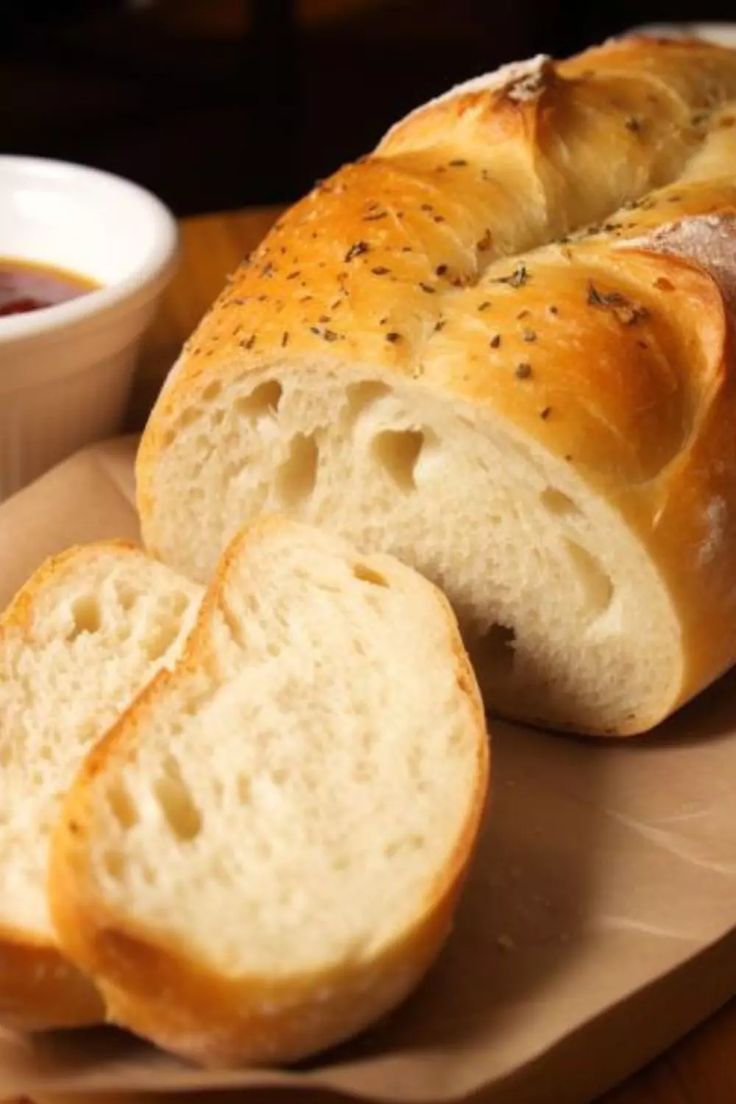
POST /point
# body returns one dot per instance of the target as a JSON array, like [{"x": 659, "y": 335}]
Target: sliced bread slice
[
  {"x": 78, "y": 642},
  {"x": 264, "y": 853}
]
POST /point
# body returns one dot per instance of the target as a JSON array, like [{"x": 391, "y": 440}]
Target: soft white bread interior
[
  {"x": 264, "y": 853},
  {"x": 438, "y": 355},
  {"x": 78, "y": 642}
]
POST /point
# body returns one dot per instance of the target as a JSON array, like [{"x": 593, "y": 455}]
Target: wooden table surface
[{"x": 699, "y": 1070}]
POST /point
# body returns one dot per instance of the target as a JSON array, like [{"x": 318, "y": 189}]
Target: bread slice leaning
[
  {"x": 263, "y": 855},
  {"x": 78, "y": 642}
]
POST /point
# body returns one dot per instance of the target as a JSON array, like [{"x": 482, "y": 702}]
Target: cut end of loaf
[{"x": 545, "y": 577}]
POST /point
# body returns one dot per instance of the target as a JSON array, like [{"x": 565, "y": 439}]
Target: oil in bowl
[{"x": 29, "y": 286}]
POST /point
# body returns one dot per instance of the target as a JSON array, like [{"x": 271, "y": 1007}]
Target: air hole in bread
[
  {"x": 398, "y": 450},
  {"x": 158, "y": 642},
  {"x": 86, "y": 616},
  {"x": 176, "y": 802},
  {"x": 595, "y": 583},
  {"x": 121, "y": 806},
  {"x": 557, "y": 502},
  {"x": 363, "y": 773},
  {"x": 212, "y": 390},
  {"x": 414, "y": 842},
  {"x": 367, "y": 575},
  {"x": 180, "y": 605},
  {"x": 264, "y": 849},
  {"x": 362, "y": 395},
  {"x": 297, "y": 475},
  {"x": 495, "y": 650},
  {"x": 189, "y": 416},
  {"x": 127, "y": 597},
  {"x": 114, "y": 864},
  {"x": 263, "y": 399},
  {"x": 243, "y": 788}
]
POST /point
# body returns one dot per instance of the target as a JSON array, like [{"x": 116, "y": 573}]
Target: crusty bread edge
[
  {"x": 163, "y": 994},
  {"x": 18, "y": 612},
  {"x": 39, "y": 988}
]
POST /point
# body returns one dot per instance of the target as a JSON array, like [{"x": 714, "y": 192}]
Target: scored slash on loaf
[{"x": 500, "y": 348}]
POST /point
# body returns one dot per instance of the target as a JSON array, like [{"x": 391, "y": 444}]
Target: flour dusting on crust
[
  {"x": 710, "y": 240},
  {"x": 525, "y": 80},
  {"x": 716, "y": 516}
]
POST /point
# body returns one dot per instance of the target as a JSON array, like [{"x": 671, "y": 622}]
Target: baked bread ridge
[
  {"x": 391, "y": 329},
  {"x": 65, "y": 672},
  {"x": 379, "y": 717}
]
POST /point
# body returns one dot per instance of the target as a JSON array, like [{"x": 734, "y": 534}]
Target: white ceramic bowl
[{"x": 66, "y": 370}]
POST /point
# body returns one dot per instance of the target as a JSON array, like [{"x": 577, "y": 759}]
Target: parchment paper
[{"x": 598, "y": 925}]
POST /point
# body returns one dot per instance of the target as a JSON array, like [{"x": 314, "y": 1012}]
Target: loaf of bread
[
  {"x": 501, "y": 348},
  {"x": 264, "y": 853},
  {"x": 79, "y": 641}
]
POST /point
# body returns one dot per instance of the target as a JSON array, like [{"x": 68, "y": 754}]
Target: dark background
[{"x": 222, "y": 103}]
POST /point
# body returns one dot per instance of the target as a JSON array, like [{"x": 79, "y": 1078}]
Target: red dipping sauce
[{"x": 26, "y": 286}]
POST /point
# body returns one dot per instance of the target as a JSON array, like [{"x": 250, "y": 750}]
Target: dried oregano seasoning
[
  {"x": 515, "y": 279},
  {"x": 625, "y": 310},
  {"x": 356, "y": 249},
  {"x": 324, "y": 333}
]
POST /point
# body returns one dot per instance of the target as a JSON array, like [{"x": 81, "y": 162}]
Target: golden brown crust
[
  {"x": 461, "y": 183},
  {"x": 161, "y": 993},
  {"x": 39, "y": 988}
]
